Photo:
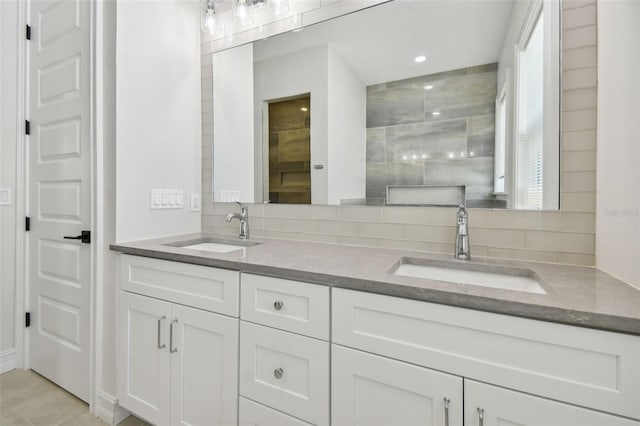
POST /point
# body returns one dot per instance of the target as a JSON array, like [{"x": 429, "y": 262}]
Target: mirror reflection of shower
[{"x": 289, "y": 130}]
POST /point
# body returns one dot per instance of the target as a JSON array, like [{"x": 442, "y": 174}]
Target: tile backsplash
[{"x": 565, "y": 236}]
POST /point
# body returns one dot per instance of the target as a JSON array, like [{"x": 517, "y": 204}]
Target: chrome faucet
[
  {"x": 463, "y": 250},
  {"x": 243, "y": 217}
]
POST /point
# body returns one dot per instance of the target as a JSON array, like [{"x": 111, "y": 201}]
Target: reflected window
[
  {"x": 500, "y": 165},
  {"x": 530, "y": 123}
]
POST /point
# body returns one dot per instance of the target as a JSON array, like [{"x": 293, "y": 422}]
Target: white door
[
  {"x": 60, "y": 192},
  {"x": 204, "y": 368},
  {"x": 143, "y": 357},
  {"x": 369, "y": 390},
  {"x": 487, "y": 405}
]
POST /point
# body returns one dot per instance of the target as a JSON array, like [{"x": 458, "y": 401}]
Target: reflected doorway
[{"x": 290, "y": 150}]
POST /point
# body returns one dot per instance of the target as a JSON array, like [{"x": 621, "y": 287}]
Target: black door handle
[{"x": 85, "y": 237}]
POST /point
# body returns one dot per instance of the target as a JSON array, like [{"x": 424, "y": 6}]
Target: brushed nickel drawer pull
[
  {"x": 446, "y": 411},
  {"x": 160, "y": 344},
  {"x": 171, "y": 348}
]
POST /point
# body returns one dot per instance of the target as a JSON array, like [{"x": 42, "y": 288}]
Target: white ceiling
[{"x": 380, "y": 43}]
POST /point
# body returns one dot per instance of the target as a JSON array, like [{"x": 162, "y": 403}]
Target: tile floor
[{"x": 28, "y": 399}]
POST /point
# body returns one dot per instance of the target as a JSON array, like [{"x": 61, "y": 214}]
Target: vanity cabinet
[
  {"x": 371, "y": 390},
  {"x": 178, "y": 365},
  {"x": 578, "y": 366},
  {"x": 177, "y": 355}
]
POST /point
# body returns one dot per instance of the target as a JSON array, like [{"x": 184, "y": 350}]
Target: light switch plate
[
  {"x": 5, "y": 196},
  {"x": 166, "y": 199},
  {"x": 195, "y": 202}
]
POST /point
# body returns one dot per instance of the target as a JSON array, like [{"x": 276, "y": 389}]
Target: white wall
[
  {"x": 618, "y": 153},
  {"x": 233, "y": 150},
  {"x": 8, "y": 140},
  {"x": 158, "y": 115},
  {"x": 347, "y": 105},
  {"x": 304, "y": 71}
]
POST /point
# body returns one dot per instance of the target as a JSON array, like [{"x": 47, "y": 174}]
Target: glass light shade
[
  {"x": 279, "y": 7},
  {"x": 241, "y": 12},
  {"x": 208, "y": 21}
]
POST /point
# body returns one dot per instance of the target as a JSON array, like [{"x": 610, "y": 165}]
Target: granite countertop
[{"x": 580, "y": 296}]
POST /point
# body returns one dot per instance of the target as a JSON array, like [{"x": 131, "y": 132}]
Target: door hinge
[
  {"x": 27, "y": 224},
  {"x": 28, "y": 32},
  {"x": 27, "y": 319},
  {"x": 27, "y": 127}
]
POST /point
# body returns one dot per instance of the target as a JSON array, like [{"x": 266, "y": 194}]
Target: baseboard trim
[
  {"x": 7, "y": 360},
  {"x": 108, "y": 410}
]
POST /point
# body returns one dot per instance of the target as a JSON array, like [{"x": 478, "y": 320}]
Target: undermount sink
[
  {"x": 505, "y": 278},
  {"x": 215, "y": 245}
]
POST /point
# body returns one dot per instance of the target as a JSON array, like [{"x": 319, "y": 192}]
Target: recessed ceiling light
[
  {"x": 420, "y": 58},
  {"x": 428, "y": 87},
  {"x": 435, "y": 113},
  {"x": 451, "y": 155}
]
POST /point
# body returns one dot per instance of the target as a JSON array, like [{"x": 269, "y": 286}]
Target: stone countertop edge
[{"x": 493, "y": 303}]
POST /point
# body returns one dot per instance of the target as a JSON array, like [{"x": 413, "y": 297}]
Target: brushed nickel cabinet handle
[
  {"x": 480, "y": 416},
  {"x": 171, "y": 348},
  {"x": 278, "y": 305},
  {"x": 160, "y": 344},
  {"x": 278, "y": 372},
  {"x": 447, "y": 401}
]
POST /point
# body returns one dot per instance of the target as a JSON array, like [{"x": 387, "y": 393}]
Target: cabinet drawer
[
  {"x": 582, "y": 366},
  {"x": 288, "y": 305},
  {"x": 212, "y": 289},
  {"x": 254, "y": 414},
  {"x": 286, "y": 371}
]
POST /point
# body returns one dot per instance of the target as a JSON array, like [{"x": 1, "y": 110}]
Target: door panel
[{"x": 60, "y": 192}]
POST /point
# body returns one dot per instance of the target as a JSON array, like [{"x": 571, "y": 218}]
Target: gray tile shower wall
[
  {"x": 565, "y": 236},
  {"x": 433, "y": 130}
]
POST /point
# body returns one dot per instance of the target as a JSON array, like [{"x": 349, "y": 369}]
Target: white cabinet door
[
  {"x": 500, "y": 407},
  {"x": 144, "y": 363},
  {"x": 370, "y": 390},
  {"x": 204, "y": 367}
]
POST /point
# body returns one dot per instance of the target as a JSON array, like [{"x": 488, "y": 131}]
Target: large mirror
[{"x": 420, "y": 103}]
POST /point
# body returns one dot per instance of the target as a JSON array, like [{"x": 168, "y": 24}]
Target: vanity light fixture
[
  {"x": 420, "y": 59},
  {"x": 304, "y": 109},
  {"x": 216, "y": 14}
]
